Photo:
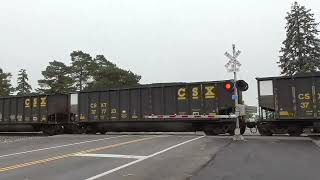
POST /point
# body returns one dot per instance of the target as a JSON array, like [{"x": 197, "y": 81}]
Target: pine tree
[
  {"x": 113, "y": 78},
  {"x": 57, "y": 79},
  {"x": 23, "y": 87},
  {"x": 102, "y": 61},
  {"x": 106, "y": 74},
  {"x": 80, "y": 67},
  {"x": 5, "y": 84},
  {"x": 301, "y": 48}
]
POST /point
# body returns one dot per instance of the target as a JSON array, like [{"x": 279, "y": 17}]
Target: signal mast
[{"x": 233, "y": 66}]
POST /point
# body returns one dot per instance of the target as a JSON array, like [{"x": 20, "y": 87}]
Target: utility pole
[{"x": 233, "y": 66}]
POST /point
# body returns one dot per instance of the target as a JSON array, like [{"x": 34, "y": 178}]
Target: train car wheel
[
  {"x": 210, "y": 131},
  {"x": 265, "y": 132},
  {"x": 316, "y": 130},
  {"x": 79, "y": 130},
  {"x": 242, "y": 131},
  {"x": 76, "y": 129},
  {"x": 231, "y": 131},
  {"x": 91, "y": 130},
  {"x": 264, "y": 129},
  {"x": 59, "y": 129},
  {"x": 295, "y": 131},
  {"x": 49, "y": 130}
]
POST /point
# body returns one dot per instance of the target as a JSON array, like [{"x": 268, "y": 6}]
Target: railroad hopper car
[
  {"x": 47, "y": 113},
  {"x": 201, "y": 106},
  {"x": 289, "y": 104}
]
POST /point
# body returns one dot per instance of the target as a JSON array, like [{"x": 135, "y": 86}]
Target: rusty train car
[
  {"x": 289, "y": 104},
  {"x": 199, "y": 106}
]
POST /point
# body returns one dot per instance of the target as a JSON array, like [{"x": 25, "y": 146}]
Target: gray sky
[{"x": 162, "y": 40}]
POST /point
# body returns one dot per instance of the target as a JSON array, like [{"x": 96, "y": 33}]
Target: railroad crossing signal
[{"x": 233, "y": 64}]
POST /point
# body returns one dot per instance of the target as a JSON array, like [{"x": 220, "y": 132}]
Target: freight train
[
  {"x": 289, "y": 104},
  {"x": 199, "y": 106}
]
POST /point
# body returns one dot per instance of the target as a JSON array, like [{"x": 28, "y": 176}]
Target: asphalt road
[
  {"x": 67, "y": 157},
  {"x": 159, "y": 156},
  {"x": 265, "y": 158}
]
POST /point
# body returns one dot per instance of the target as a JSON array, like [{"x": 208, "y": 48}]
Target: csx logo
[
  {"x": 305, "y": 100},
  {"x": 182, "y": 93},
  {"x": 27, "y": 103},
  {"x": 195, "y": 92},
  {"x": 209, "y": 93},
  {"x": 305, "y": 96},
  {"x": 43, "y": 102},
  {"x": 34, "y": 102},
  {"x": 93, "y": 105}
]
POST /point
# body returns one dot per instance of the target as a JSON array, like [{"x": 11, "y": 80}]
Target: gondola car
[
  {"x": 289, "y": 104},
  {"x": 49, "y": 113},
  {"x": 199, "y": 106}
]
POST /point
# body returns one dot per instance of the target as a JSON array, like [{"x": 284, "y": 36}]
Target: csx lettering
[
  {"x": 195, "y": 93},
  {"x": 93, "y": 105},
  {"x": 27, "y": 103},
  {"x": 35, "y": 102},
  {"x": 305, "y": 96},
  {"x": 43, "y": 102},
  {"x": 210, "y": 94},
  {"x": 182, "y": 94},
  {"x": 103, "y": 105}
]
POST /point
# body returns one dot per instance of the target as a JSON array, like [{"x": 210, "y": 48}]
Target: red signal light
[{"x": 228, "y": 86}]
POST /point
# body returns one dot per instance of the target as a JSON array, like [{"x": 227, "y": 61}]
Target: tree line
[
  {"x": 300, "y": 52},
  {"x": 83, "y": 73}
]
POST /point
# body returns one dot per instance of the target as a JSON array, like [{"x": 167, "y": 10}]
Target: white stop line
[{"x": 139, "y": 158}]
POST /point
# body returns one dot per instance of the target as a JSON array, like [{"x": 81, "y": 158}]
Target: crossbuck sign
[{"x": 233, "y": 64}]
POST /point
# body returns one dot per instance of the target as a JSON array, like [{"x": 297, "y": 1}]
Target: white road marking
[
  {"x": 142, "y": 159},
  {"x": 316, "y": 142},
  {"x": 111, "y": 156},
  {"x": 55, "y": 147}
]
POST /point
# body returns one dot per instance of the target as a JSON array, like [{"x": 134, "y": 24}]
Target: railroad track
[
  {"x": 7, "y": 137},
  {"x": 21, "y": 134}
]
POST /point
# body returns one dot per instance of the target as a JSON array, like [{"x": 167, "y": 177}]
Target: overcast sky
[{"x": 162, "y": 40}]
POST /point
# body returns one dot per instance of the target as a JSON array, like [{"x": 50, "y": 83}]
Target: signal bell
[{"x": 242, "y": 85}]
